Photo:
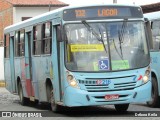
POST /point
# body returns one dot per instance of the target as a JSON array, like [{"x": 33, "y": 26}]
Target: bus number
[
  {"x": 103, "y": 82},
  {"x": 80, "y": 13}
]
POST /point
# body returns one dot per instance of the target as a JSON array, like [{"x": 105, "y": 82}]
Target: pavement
[{"x": 2, "y": 83}]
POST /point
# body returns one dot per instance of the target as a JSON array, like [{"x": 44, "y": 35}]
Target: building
[{"x": 13, "y": 11}]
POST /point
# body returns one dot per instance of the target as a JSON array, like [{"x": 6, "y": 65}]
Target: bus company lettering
[{"x": 107, "y": 12}]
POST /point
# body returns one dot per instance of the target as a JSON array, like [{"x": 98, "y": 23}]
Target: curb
[{"x": 2, "y": 84}]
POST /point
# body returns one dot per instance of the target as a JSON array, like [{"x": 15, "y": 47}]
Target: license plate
[{"x": 112, "y": 97}]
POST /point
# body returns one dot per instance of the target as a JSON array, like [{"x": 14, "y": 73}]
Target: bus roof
[
  {"x": 50, "y": 15},
  {"x": 34, "y": 20}
]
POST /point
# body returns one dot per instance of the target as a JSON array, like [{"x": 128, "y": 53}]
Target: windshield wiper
[
  {"x": 121, "y": 36},
  {"x": 120, "y": 43},
  {"x": 99, "y": 38},
  {"x": 91, "y": 29},
  {"x": 119, "y": 53}
]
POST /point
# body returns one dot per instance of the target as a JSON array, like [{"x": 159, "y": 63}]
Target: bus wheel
[
  {"x": 121, "y": 107},
  {"x": 23, "y": 100},
  {"x": 154, "y": 102},
  {"x": 54, "y": 106}
]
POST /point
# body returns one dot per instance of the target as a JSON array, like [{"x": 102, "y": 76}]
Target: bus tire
[
  {"x": 154, "y": 102},
  {"x": 51, "y": 99},
  {"x": 121, "y": 107},
  {"x": 23, "y": 100}
]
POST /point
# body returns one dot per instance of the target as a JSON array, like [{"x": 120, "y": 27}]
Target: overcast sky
[{"x": 85, "y": 2}]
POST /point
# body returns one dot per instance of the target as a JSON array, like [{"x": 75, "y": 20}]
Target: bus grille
[{"x": 91, "y": 86}]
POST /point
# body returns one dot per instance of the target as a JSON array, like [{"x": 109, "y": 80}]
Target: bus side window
[
  {"x": 156, "y": 35},
  {"x": 37, "y": 38},
  {"x": 17, "y": 44},
  {"x": 6, "y": 46},
  {"x": 22, "y": 43},
  {"x": 46, "y": 38}
]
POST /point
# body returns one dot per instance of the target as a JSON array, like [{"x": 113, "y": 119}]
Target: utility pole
[
  {"x": 50, "y": 4},
  {"x": 115, "y": 1}
]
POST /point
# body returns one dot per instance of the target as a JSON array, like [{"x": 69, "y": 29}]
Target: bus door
[
  {"x": 60, "y": 59},
  {"x": 56, "y": 53},
  {"x": 13, "y": 84},
  {"x": 28, "y": 66}
]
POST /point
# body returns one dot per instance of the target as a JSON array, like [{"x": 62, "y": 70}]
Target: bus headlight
[
  {"x": 72, "y": 82},
  {"x": 146, "y": 76},
  {"x": 145, "y": 79}
]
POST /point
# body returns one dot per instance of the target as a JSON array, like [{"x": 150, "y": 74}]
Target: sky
[{"x": 129, "y": 2}]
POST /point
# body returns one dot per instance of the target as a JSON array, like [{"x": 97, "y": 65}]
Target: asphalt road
[{"x": 10, "y": 102}]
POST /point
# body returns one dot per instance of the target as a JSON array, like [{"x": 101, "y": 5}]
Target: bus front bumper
[{"x": 77, "y": 97}]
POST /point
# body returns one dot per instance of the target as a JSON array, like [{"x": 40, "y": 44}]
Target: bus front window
[{"x": 106, "y": 46}]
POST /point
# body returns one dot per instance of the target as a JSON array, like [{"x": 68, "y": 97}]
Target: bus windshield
[{"x": 106, "y": 46}]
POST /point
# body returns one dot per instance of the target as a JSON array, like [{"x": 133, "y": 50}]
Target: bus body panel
[
  {"x": 79, "y": 97},
  {"x": 23, "y": 81},
  {"x": 125, "y": 84},
  {"x": 18, "y": 75},
  {"x": 155, "y": 63},
  {"x": 28, "y": 66},
  {"x": 7, "y": 74},
  {"x": 40, "y": 72},
  {"x": 17, "y": 68}
]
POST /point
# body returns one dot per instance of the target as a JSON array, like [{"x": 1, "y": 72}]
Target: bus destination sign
[
  {"x": 100, "y": 13},
  {"x": 110, "y": 12}
]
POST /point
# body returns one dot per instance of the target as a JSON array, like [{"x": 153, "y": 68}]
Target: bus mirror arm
[{"x": 146, "y": 20}]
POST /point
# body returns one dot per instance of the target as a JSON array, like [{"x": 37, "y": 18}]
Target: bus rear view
[{"x": 106, "y": 56}]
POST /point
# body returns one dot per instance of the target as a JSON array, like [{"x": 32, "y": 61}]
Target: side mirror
[
  {"x": 149, "y": 32},
  {"x": 146, "y": 20},
  {"x": 59, "y": 33}
]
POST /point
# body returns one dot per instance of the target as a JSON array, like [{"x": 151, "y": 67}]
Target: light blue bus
[
  {"x": 80, "y": 56},
  {"x": 154, "y": 18}
]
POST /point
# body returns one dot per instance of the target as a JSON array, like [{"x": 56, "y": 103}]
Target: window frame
[
  {"x": 17, "y": 41},
  {"x": 7, "y": 46},
  {"x": 36, "y": 49},
  {"x": 46, "y": 49},
  {"x": 21, "y": 43},
  {"x": 155, "y": 35}
]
